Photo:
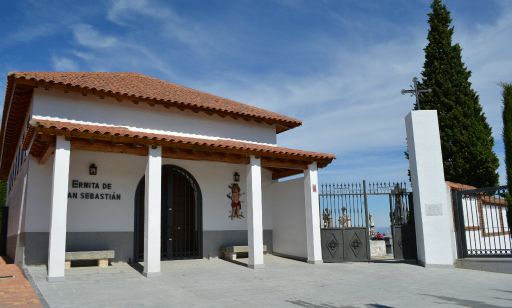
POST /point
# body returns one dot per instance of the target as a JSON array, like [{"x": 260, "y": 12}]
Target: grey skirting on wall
[{"x": 34, "y": 245}]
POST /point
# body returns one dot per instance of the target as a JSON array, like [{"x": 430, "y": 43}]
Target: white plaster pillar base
[
  {"x": 432, "y": 214},
  {"x": 254, "y": 214},
  {"x": 59, "y": 206},
  {"x": 152, "y": 212},
  {"x": 312, "y": 208}
]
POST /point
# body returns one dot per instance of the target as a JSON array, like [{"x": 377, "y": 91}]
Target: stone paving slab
[
  {"x": 15, "y": 289},
  {"x": 282, "y": 283}
]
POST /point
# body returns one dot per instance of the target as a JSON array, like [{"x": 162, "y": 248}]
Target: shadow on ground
[
  {"x": 394, "y": 261},
  {"x": 305, "y": 304},
  {"x": 463, "y": 302}
]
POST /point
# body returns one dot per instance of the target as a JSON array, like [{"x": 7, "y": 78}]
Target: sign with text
[{"x": 92, "y": 191}]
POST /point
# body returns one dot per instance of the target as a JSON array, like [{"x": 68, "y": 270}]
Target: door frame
[{"x": 138, "y": 221}]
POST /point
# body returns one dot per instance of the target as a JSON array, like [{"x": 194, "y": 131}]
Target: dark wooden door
[
  {"x": 184, "y": 216},
  {"x": 181, "y": 222}
]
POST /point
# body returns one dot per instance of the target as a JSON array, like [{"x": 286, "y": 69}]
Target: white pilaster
[
  {"x": 254, "y": 213},
  {"x": 312, "y": 208},
  {"x": 59, "y": 206},
  {"x": 432, "y": 214},
  {"x": 152, "y": 212}
]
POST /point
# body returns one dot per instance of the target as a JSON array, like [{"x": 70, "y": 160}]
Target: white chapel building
[{"x": 151, "y": 170}]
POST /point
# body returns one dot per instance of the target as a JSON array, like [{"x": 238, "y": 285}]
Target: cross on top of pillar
[{"x": 416, "y": 91}]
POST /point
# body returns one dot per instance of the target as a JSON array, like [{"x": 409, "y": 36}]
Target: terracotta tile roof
[
  {"x": 75, "y": 129},
  {"x": 488, "y": 200},
  {"x": 121, "y": 86},
  {"x": 459, "y": 186},
  {"x": 139, "y": 86}
]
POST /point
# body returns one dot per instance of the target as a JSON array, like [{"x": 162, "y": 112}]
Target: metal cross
[{"x": 415, "y": 91}]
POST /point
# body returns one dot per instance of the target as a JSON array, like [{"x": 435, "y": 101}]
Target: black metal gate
[
  {"x": 481, "y": 223},
  {"x": 345, "y": 230},
  {"x": 401, "y": 215}
]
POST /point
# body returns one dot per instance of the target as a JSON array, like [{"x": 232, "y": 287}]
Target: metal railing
[
  {"x": 482, "y": 226},
  {"x": 346, "y": 205}
]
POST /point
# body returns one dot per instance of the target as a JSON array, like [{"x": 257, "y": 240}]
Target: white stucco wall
[
  {"x": 289, "y": 229},
  {"x": 432, "y": 214},
  {"x": 16, "y": 202},
  {"x": 74, "y": 106},
  {"x": 124, "y": 173}
]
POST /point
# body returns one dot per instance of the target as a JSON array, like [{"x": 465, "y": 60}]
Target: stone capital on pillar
[
  {"x": 152, "y": 212},
  {"x": 254, "y": 213},
  {"x": 432, "y": 214},
  {"x": 312, "y": 208},
  {"x": 58, "y": 213}
]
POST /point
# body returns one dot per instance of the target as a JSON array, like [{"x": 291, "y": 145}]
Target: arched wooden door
[{"x": 181, "y": 224}]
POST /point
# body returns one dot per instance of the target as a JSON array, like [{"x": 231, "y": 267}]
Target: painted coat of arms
[{"x": 236, "y": 203}]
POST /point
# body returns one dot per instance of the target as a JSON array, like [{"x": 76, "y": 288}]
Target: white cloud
[
  {"x": 87, "y": 36},
  {"x": 356, "y": 105},
  {"x": 486, "y": 51},
  {"x": 170, "y": 25},
  {"x": 63, "y": 64},
  {"x": 121, "y": 9},
  {"x": 353, "y": 106}
]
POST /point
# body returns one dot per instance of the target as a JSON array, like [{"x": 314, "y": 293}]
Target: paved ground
[
  {"x": 283, "y": 283},
  {"x": 15, "y": 290}
]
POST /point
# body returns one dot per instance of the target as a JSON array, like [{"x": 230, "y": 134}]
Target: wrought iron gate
[
  {"x": 345, "y": 229},
  {"x": 481, "y": 223},
  {"x": 401, "y": 216}
]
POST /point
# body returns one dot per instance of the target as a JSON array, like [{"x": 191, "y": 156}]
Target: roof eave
[{"x": 280, "y": 124}]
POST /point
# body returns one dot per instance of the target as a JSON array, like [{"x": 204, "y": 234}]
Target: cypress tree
[
  {"x": 507, "y": 140},
  {"x": 466, "y": 137}
]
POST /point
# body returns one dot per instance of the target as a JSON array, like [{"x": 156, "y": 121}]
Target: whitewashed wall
[
  {"x": 289, "y": 228},
  {"x": 16, "y": 202},
  {"x": 432, "y": 213},
  {"x": 109, "y": 224},
  {"x": 74, "y": 106},
  {"x": 124, "y": 173}
]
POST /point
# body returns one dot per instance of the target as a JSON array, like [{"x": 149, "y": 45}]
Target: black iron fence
[
  {"x": 346, "y": 222},
  {"x": 343, "y": 205},
  {"x": 481, "y": 220}
]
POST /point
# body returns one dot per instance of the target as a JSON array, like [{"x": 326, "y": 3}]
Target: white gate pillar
[
  {"x": 432, "y": 213},
  {"x": 58, "y": 212},
  {"x": 254, "y": 213},
  {"x": 152, "y": 212},
  {"x": 312, "y": 207}
]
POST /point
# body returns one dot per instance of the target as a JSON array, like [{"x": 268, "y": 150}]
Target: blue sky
[{"x": 337, "y": 65}]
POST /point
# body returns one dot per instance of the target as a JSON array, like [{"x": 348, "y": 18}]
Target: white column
[
  {"x": 432, "y": 214},
  {"x": 59, "y": 206},
  {"x": 152, "y": 212},
  {"x": 254, "y": 213},
  {"x": 312, "y": 207}
]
